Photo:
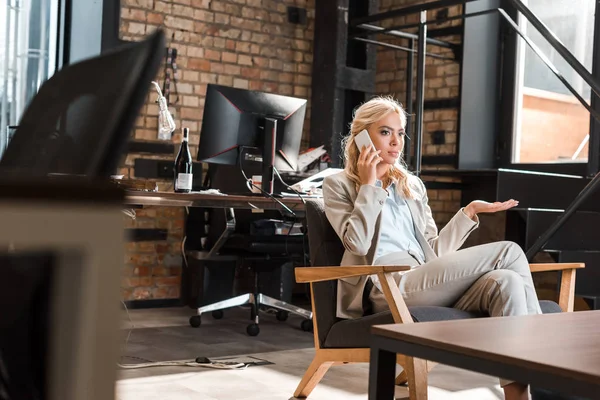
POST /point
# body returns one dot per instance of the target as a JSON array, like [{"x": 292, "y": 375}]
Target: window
[
  {"x": 28, "y": 38},
  {"x": 551, "y": 126}
]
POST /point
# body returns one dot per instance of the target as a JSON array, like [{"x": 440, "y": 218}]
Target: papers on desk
[
  {"x": 305, "y": 196},
  {"x": 309, "y": 156},
  {"x": 315, "y": 181},
  {"x": 209, "y": 191}
]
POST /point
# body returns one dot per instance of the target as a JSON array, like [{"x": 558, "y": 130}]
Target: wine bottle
[{"x": 183, "y": 166}]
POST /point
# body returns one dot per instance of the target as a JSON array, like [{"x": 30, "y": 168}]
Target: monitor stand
[{"x": 269, "y": 154}]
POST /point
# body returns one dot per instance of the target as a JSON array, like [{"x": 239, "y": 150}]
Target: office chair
[
  {"x": 231, "y": 244},
  {"x": 80, "y": 120}
]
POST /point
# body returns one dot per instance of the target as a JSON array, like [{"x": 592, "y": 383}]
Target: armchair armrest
[
  {"x": 566, "y": 295},
  {"x": 319, "y": 274},
  {"x": 390, "y": 289},
  {"x": 555, "y": 266}
]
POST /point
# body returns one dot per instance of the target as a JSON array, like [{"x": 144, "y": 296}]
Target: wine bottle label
[{"x": 184, "y": 181}]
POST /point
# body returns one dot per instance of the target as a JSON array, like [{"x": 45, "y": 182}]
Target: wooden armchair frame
[{"x": 415, "y": 370}]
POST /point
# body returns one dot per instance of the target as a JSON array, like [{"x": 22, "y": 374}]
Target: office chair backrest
[
  {"x": 326, "y": 249},
  {"x": 80, "y": 120}
]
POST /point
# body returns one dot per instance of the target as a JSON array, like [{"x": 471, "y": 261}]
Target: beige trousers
[{"x": 492, "y": 278}]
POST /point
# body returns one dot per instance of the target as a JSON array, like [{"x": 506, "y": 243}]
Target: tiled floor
[{"x": 164, "y": 334}]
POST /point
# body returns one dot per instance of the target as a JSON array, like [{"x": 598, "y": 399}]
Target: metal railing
[{"x": 422, "y": 40}]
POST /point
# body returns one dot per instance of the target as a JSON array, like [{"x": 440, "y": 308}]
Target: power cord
[
  {"x": 130, "y": 213},
  {"x": 198, "y": 362},
  {"x": 251, "y": 184},
  {"x": 132, "y": 326},
  {"x": 304, "y": 203},
  {"x": 183, "y": 255}
]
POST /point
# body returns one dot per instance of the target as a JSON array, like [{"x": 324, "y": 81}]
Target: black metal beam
[
  {"x": 410, "y": 61},
  {"x": 420, "y": 101},
  {"x": 442, "y": 185},
  {"x": 444, "y": 32},
  {"x": 145, "y": 234},
  {"x": 593, "y": 164},
  {"x": 401, "y": 12},
  {"x": 64, "y": 40},
  {"x": 136, "y": 146},
  {"x": 356, "y": 79},
  {"x": 111, "y": 20},
  {"x": 402, "y": 48},
  {"x": 330, "y": 50},
  {"x": 437, "y": 104},
  {"x": 450, "y": 159}
]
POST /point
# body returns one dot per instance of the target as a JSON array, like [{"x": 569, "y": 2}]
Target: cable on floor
[{"x": 205, "y": 363}]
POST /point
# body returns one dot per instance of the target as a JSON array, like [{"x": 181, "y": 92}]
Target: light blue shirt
[{"x": 397, "y": 230}]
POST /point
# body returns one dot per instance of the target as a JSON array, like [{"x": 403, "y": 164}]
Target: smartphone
[{"x": 363, "y": 139}]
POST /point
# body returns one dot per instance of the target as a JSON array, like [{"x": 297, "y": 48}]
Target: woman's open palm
[{"x": 480, "y": 206}]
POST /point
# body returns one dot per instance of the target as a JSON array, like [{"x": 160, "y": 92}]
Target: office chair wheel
[
  {"x": 218, "y": 314},
  {"x": 252, "y": 329},
  {"x": 282, "y": 315},
  {"x": 195, "y": 321},
  {"x": 307, "y": 325}
]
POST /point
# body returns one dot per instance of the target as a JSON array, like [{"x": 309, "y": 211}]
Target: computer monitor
[
  {"x": 241, "y": 125},
  {"x": 80, "y": 121}
]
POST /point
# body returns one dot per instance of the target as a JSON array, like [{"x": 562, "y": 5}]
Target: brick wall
[
  {"x": 152, "y": 269},
  {"x": 242, "y": 43}
]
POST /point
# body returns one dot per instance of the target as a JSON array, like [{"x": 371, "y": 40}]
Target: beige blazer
[{"x": 356, "y": 217}]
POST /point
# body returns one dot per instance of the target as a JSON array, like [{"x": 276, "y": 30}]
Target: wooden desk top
[
  {"x": 565, "y": 344},
  {"x": 134, "y": 197}
]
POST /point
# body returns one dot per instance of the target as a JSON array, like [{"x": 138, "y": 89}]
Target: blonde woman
[{"x": 380, "y": 212}]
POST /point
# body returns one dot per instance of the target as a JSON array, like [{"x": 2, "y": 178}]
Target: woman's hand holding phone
[{"x": 367, "y": 162}]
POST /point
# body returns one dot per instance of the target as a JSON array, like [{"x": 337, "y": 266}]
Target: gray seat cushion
[{"x": 353, "y": 333}]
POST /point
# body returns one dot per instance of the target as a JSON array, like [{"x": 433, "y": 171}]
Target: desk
[
  {"x": 171, "y": 199},
  {"x": 552, "y": 351}
]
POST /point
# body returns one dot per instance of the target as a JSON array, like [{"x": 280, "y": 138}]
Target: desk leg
[{"x": 382, "y": 373}]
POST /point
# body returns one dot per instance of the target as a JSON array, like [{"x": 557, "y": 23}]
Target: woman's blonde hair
[{"x": 364, "y": 116}]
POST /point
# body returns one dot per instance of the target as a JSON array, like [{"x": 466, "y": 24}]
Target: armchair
[{"x": 341, "y": 341}]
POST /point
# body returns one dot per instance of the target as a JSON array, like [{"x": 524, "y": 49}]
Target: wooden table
[
  {"x": 560, "y": 352},
  {"x": 145, "y": 198}
]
